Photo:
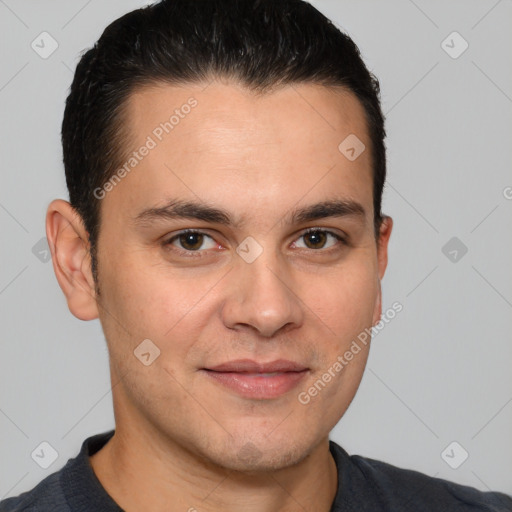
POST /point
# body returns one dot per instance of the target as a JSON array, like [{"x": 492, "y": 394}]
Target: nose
[{"x": 261, "y": 298}]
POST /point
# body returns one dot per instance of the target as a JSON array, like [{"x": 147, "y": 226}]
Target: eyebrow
[{"x": 176, "y": 209}]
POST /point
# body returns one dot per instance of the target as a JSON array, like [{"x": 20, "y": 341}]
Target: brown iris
[
  {"x": 191, "y": 241},
  {"x": 315, "y": 239}
]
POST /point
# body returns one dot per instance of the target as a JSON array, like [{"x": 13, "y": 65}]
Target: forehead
[
  {"x": 230, "y": 110},
  {"x": 225, "y": 145}
]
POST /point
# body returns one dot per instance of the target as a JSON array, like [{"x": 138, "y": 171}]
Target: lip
[
  {"x": 250, "y": 366},
  {"x": 247, "y": 378}
]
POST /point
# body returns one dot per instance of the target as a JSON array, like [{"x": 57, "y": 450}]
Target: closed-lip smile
[{"x": 258, "y": 380}]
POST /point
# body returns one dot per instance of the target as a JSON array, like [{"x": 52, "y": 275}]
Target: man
[{"x": 225, "y": 163}]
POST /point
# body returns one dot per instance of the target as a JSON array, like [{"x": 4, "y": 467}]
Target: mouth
[{"x": 260, "y": 381}]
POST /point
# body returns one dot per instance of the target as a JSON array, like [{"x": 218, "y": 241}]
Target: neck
[{"x": 143, "y": 471}]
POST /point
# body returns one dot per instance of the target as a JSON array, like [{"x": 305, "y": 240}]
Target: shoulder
[
  {"x": 419, "y": 489},
  {"x": 382, "y": 486},
  {"x": 70, "y": 489},
  {"x": 47, "y": 495}
]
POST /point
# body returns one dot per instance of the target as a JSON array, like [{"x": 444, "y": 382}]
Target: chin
[{"x": 261, "y": 456}]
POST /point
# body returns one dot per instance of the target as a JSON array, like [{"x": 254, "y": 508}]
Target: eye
[
  {"x": 192, "y": 241},
  {"x": 315, "y": 238}
]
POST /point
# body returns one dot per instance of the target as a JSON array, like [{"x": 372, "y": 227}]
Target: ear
[
  {"x": 69, "y": 246},
  {"x": 382, "y": 262}
]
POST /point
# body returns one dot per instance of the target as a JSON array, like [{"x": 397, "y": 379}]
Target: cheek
[
  {"x": 344, "y": 299},
  {"x": 148, "y": 299}
]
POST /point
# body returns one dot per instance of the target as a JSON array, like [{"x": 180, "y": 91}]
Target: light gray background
[{"x": 439, "y": 372}]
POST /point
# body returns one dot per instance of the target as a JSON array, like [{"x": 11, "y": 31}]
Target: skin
[{"x": 183, "y": 441}]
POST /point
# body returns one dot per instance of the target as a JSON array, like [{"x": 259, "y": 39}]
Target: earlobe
[
  {"x": 69, "y": 246},
  {"x": 377, "y": 310}
]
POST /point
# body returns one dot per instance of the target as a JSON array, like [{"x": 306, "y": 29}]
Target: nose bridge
[{"x": 261, "y": 297}]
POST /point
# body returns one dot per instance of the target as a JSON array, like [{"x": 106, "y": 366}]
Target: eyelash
[{"x": 200, "y": 253}]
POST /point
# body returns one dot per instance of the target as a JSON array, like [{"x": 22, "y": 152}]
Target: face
[{"x": 277, "y": 275}]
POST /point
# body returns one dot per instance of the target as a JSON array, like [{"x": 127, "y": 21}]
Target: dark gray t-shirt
[{"x": 363, "y": 485}]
